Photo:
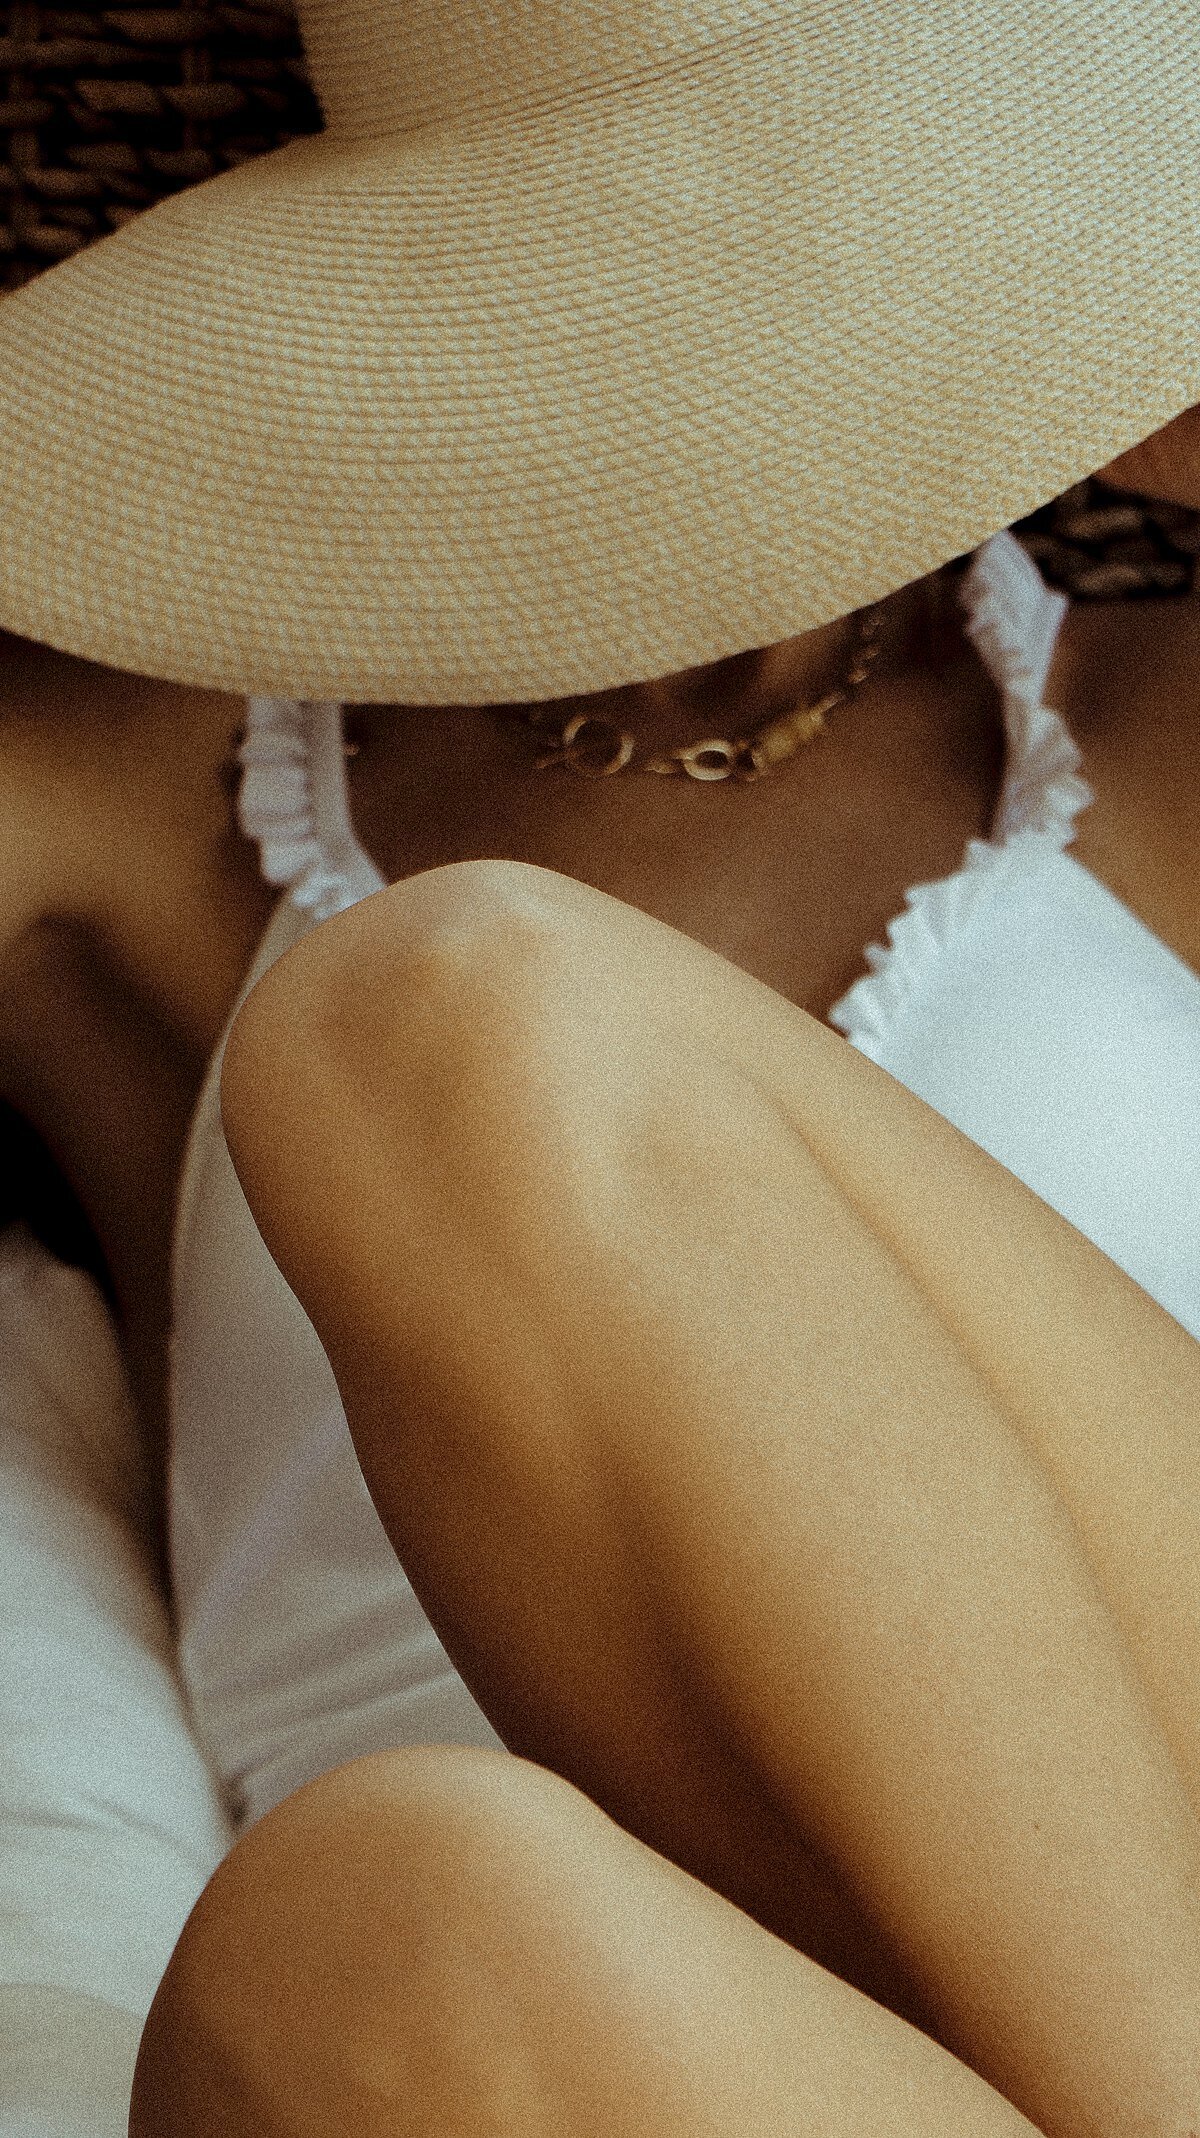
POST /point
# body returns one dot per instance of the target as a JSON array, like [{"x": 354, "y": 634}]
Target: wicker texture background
[{"x": 104, "y": 111}]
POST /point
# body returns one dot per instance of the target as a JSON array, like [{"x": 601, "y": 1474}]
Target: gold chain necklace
[
  {"x": 598, "y": 747},
  {"x": 748, "y": 757}
]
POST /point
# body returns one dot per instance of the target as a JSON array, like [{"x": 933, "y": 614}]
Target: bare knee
[
  {"x": 437, "y": 1017},
  {"x": 467, "y": 1043},
  {"x": 449, "y": 943},
  {"x": 498, "y": 974},
  {"x": 406, "y": 1942}
]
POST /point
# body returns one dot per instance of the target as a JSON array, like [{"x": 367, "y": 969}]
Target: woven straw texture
[{"x": 105, "y": 113}]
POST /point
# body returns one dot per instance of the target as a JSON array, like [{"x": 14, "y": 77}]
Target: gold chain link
[{"x": 611, "y": 749}]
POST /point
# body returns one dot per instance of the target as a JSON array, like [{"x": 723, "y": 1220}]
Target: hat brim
[{"x": 529, "y": 404}]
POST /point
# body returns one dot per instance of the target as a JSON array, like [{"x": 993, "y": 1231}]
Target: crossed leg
[
  {"x": 459, "y": 1945},
  {"x": 731, "y": 1487}
]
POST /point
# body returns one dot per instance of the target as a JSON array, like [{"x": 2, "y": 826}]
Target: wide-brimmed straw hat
[{"x": 589, "y": 343}]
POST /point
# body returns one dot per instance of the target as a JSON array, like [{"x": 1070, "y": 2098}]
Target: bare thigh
[
  {"x": 701, "y": 1376},
  {"x": 436, "y": 1942},
  {"x": 1100, "y": 1382}
]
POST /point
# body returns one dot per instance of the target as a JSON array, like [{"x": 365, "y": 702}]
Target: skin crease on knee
[{"x": 691, "y": 884}]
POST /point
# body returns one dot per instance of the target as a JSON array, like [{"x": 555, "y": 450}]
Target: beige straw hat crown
[{"x": 593, "y": 342}]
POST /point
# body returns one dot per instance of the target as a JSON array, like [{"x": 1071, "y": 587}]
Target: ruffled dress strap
[
  {"x": 292, "y": 803},
  {"x": 1013, "y": 620}
]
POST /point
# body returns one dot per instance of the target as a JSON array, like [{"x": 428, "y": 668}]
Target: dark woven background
[{"x": 105, "y": 110}]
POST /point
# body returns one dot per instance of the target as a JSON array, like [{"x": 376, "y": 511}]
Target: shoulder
[
  {"x": 30, "y": 854},
  {"x": 108, "y": 780},
  {"x": 69, "y": 733},
  {"x": 119, "y": 838},
  {"x": 1132, "y": 687},
  {"x": 1137, "y": 679},
  {"x": 79, "y": 790}
]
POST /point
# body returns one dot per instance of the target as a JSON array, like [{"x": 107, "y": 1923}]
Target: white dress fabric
[
  {"x": 1018, "y": 997},
  {"x": 301, "y": 1643},
  {"x": 1027, "y": 1005}
]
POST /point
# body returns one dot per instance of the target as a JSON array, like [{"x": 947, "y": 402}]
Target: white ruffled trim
[
  {"x": 1013, "y": 619},
  {"x": 275, "y": 807}
]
